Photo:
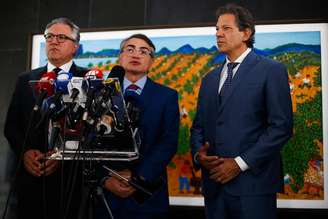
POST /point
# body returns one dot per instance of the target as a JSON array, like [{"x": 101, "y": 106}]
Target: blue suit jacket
[
  {"x": 253, "y": 122},
  {"x": 33, "y": 191},
  {"x": 159, "y": 127}
]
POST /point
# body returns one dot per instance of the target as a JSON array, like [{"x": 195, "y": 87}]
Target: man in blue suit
[
  {"x": 243, "y": 119},
  {"x": 158, "y": 125},
  {"x": 39, "y": 182}
]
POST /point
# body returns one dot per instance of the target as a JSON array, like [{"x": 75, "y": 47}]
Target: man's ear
[{"x": 247, "y": 34}]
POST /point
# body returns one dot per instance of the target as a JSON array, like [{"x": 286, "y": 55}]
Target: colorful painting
[{"x": 185, "y": 55}]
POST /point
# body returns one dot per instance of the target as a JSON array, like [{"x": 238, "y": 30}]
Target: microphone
[
  {"x": 116, "y": 72},
  {"x": 75, "y": 89},
  {"x": 54, "y": 134},
  {"x": 55, "y": 104},
  {"x": 134, "y": 106},
  {"x": 92, "y": 83},
  {"x": 105, "y": 125},
  {"x": 61, "y": 85},
  {"x": 44, "y": 87},
  {"x": 77, "y": 99}
]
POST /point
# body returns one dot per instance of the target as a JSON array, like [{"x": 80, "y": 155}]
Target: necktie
[
  {"x": 228, "y": 82},
  {"x": 56, "y": 70},
  {"x": 134, "y": 88}
]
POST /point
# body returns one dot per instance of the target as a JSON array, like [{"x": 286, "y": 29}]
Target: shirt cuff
[
  {"x": 195, "y": 158},
  {"x": 241, "y": 163}
]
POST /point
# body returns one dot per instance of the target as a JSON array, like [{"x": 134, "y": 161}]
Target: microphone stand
[{"x": 93, "y": 191}]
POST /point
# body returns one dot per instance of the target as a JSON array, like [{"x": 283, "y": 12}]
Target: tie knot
[
  {"x": 56, "y": 70},
  {"x": 134, "y": 88},
  {"x": 232, "y": 65}
]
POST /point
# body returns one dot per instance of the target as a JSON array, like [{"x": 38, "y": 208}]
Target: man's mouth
[{"x": 135, "y": 62}]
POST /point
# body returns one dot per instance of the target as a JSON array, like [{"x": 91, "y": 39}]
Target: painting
[{"x": 185, "y": 55}]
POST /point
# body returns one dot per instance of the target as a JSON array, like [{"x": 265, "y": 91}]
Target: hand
[
  {"x": 208, "y": 162},
  {"x": 32, "y": 162},
  {"x": 225, "y": 171},
  {"x": 118, "y": 186},
  {"x": 50, "y": 166}
]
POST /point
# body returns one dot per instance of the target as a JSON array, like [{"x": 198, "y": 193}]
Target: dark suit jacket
[
  {"x": 253, "y": 122},
  {"x": 30, "y": 188},
  {"x": 159, "y": 126}
]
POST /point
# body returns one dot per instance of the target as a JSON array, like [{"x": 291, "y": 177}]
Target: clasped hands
[
  {"x": 35, "y": 163},
  {"x": 118, "y": 186},
  {"x": 221, "y": 169}
]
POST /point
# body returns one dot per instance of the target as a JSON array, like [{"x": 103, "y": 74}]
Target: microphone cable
[{"x": 19, "y": 164}]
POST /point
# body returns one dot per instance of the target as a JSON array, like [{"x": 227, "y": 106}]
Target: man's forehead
[
  {"x": 226, "y": 19},
  {"x": 60, "y": 27},
  {"x": 136, "y": 42}
]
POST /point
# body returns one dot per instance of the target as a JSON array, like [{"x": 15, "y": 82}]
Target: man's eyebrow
[
  {"x": 130, "y": 45},
  {"x": 134, "y": 46},
  {"x": 143, "y": 47}
]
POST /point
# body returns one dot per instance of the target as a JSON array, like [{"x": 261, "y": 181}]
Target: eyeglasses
[
  {"x": 60, "y": 37},
  {"x": 141, "y": 51}
]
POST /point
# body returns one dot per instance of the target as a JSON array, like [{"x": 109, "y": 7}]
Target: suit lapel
[
  {"x": 146, "y": 94},
  {"x": 245, "y": 67},
  {"x": 214, "y": 85}
]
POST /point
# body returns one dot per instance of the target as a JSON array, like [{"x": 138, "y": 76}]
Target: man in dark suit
[
  {"x": 243, "y": 119},
  {"x": 158, "y": 125},
  {"x": 39, "y": 182}
]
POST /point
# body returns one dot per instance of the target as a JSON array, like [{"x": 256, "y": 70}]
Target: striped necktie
[{"x": 228, "y": 82}]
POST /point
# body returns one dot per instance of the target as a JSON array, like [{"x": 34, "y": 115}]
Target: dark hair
[
  {"x": 63, "y": 20},
  {"x": 244, "y": 19},
  {"x": 142, "y": 37}
]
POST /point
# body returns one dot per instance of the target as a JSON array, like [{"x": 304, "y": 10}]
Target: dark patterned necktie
[
  {"x": 228, "y": 82},
  {"x": 56, "y": 70},
  {"x": 134, "y": 88}
]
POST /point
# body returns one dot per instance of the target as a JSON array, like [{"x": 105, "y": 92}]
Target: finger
[
  {"x": 203, "y": 149},
  {"x": 39, "y": 157},
  {"x": 32, "y": 165},
  {"x": 215, "y": 174},
  {"x": 50, "y": 168},
  {"x": 126, "y": 192},
  {"x": 210, "y": 158},
  {"x": 216, "y": 177},
  {"x": 32, "y": 169}
]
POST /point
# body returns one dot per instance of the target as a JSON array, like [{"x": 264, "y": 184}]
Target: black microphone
[
  {"x": 117, "y": 72},
  {"x": 77, "y": 97},
  {"x": 92, "y": 83},
  {"x": 134, "y": 106},
  {"x": 54, "y": 134}
]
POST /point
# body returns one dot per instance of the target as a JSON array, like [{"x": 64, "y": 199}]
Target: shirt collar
[
  {"x": 241, "y": 58},
  {"x": 140, "y": 83},
  {"x": 66, "y": 67}
]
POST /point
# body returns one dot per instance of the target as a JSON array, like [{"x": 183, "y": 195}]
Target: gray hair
[
  {"x": 62, "y": 20},
  {"x": 141, "y": 37}
]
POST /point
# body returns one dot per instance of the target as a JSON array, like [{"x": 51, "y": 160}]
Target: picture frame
[{"x": 185, "y": 54}]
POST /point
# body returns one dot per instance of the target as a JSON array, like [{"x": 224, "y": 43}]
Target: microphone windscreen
[
  {"x": 62, "y": 81},
  {"x": 94, "y": 74},
  {"x": 46, "y": 83},
  {"x": 117, "y": 72}
]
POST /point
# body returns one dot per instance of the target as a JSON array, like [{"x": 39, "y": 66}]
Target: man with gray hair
[{"x": 41, "y": 184}]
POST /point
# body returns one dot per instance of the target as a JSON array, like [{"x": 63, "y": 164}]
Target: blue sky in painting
[{"x": 262, "y": 41}]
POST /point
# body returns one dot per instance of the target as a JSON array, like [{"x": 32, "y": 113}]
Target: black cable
[{"x": 13, "y": 183}]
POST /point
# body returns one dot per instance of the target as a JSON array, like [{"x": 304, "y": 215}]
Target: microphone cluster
[{"x": 88, "y": 103}]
